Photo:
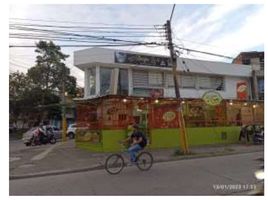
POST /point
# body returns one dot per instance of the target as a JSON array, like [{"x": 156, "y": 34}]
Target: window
[
  {"x": 185, "y": 81},
  {"x": 92, "y": 81},
  {"x": 147, "y": 83},
  {"x": 155, "y": 78},
  {"x": 105, "y": 80},
  {"x": 140, "y": 79},
  {"x": 206, "y": 82},
  {"x": 246, "y": 61},
  {"x": 123, "y": 82},
  {"x": 169, "y": 80}
]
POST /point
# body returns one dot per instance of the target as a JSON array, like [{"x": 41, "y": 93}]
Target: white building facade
[{"x": 110, "y": 71}]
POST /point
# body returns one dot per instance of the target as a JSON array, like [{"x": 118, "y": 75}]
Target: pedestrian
[{"x": 244, "y": 133}]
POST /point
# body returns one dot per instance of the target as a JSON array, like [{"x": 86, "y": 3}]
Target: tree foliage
[{"x": 38, "y": 92}]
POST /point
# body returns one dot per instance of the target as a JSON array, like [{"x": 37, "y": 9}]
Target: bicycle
[{"x": 115, "y": 163}]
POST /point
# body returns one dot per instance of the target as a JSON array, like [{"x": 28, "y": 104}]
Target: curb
[
  {"x": 56, "y": 172},
  {"x": 101, "y": 166}
]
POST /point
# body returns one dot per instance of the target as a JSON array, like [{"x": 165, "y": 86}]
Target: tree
[
  {"x": 50, "y": 73},
  {"x": 18, "y": 84},
  {"x": 37, "y": 93}
]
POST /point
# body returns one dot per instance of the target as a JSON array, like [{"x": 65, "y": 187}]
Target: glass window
[
  {"x": 206, "y": 82},
  {"x": 92, "y": 81},
  {"x": 105, "y": 80},
  {"x": 123, "y": 82}
]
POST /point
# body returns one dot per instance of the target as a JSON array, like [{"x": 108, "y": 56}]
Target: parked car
[{"x": 71, "y": 131}]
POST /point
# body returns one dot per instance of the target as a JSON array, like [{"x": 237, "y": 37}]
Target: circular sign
[
  {"x": 212, "y": 98},
  {"x": 169, "y": 116}
]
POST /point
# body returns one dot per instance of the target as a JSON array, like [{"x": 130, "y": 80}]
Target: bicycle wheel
[
  {"x": 144, "y": 161},
  {"x": 114, "y": 164}
]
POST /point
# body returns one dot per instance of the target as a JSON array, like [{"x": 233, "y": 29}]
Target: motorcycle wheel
[{"x": 52, "y": 140}]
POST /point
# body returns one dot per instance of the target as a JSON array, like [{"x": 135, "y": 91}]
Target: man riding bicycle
[{"x": 137, "y": 142}]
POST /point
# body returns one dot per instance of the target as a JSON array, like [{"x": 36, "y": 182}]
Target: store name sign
[
  {"x": 212, "y": 98},
  {"x": 138, "y": 59}
]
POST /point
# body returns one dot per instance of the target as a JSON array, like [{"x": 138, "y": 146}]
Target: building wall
[
  {"x": 101, "y": 57},
  {"x": 228, "y": 93}
]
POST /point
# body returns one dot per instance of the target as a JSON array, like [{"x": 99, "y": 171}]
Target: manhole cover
[
  {"x": 11, "y": 159},
  {"x": 26, "y": 165}
]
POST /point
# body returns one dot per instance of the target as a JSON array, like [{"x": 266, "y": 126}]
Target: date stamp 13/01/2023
[{"x": 233, "y": 187}]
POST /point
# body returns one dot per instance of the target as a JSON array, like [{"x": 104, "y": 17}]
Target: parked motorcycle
[
  {"x": 38, "y": 136},
  {"x": 258, "y": 137},
  {"x": 252, "y": 132}
]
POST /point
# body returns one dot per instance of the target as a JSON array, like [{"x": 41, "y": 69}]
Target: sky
[{"x": 226, "y": 29}]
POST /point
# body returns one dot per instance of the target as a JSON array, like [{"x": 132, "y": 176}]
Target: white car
[
  {"x": 71, "y": 131},
  {"x": 73, "y": 127}
]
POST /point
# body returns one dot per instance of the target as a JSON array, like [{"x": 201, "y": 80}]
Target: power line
[
  {"x": 76, "y": 22},
  {"x": 115, "y": 45},
  {"x": 14, "y": 35},
  {"x": 208, "y": 53},
  {"x": 80, "y": 35},
  {"x": 88, "y": 27}
]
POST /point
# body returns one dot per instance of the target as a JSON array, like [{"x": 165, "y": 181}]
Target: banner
[{"x": 242, "y": 90}]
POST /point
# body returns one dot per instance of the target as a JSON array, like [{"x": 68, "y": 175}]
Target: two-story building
[{"x": 122, "y": 87}]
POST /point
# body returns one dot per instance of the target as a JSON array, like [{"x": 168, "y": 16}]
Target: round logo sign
[
  {"x": 169, "y": 116},
  {"x": 212, "y": 98}
]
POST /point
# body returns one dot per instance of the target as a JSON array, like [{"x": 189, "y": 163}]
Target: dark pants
[{"x": 243, "y": 134}]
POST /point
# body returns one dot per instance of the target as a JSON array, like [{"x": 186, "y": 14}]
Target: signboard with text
[{"x": 138, "y": 59}]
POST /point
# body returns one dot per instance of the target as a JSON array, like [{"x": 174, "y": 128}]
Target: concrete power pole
[
  {"x": 64, "y": 122},
  {"x": 173, "y": 57}
]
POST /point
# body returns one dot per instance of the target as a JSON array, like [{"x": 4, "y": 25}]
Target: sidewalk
[{"x": 66, "y": 158}]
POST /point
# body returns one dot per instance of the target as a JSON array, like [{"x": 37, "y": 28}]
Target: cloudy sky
[{"x": 222, "y": 29}]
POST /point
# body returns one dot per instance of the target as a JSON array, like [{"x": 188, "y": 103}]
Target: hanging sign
[
  {"x": 242, "y": 90},
  {"x": 212, "y": 98}
]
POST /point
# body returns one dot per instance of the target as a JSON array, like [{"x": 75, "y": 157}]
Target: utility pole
[
  {"x": 64, "y": 122},
  {"x": 173, "y": 58}
]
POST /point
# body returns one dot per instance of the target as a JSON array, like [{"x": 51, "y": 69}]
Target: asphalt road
[{"x": 205, "y": 176}]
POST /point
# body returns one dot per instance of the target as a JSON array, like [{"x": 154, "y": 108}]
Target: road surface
[{"x": 204, "y": 176}]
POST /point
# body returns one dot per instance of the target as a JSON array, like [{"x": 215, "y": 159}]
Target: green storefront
[{"x": 105, "y": 120}]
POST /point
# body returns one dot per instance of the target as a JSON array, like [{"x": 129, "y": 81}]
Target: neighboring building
[
  {"x": 122, "y": 87},
  {"x": 256, "y": 60}
]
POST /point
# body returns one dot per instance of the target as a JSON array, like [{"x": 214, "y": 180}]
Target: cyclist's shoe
[{"x": 133, "y": 162}]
